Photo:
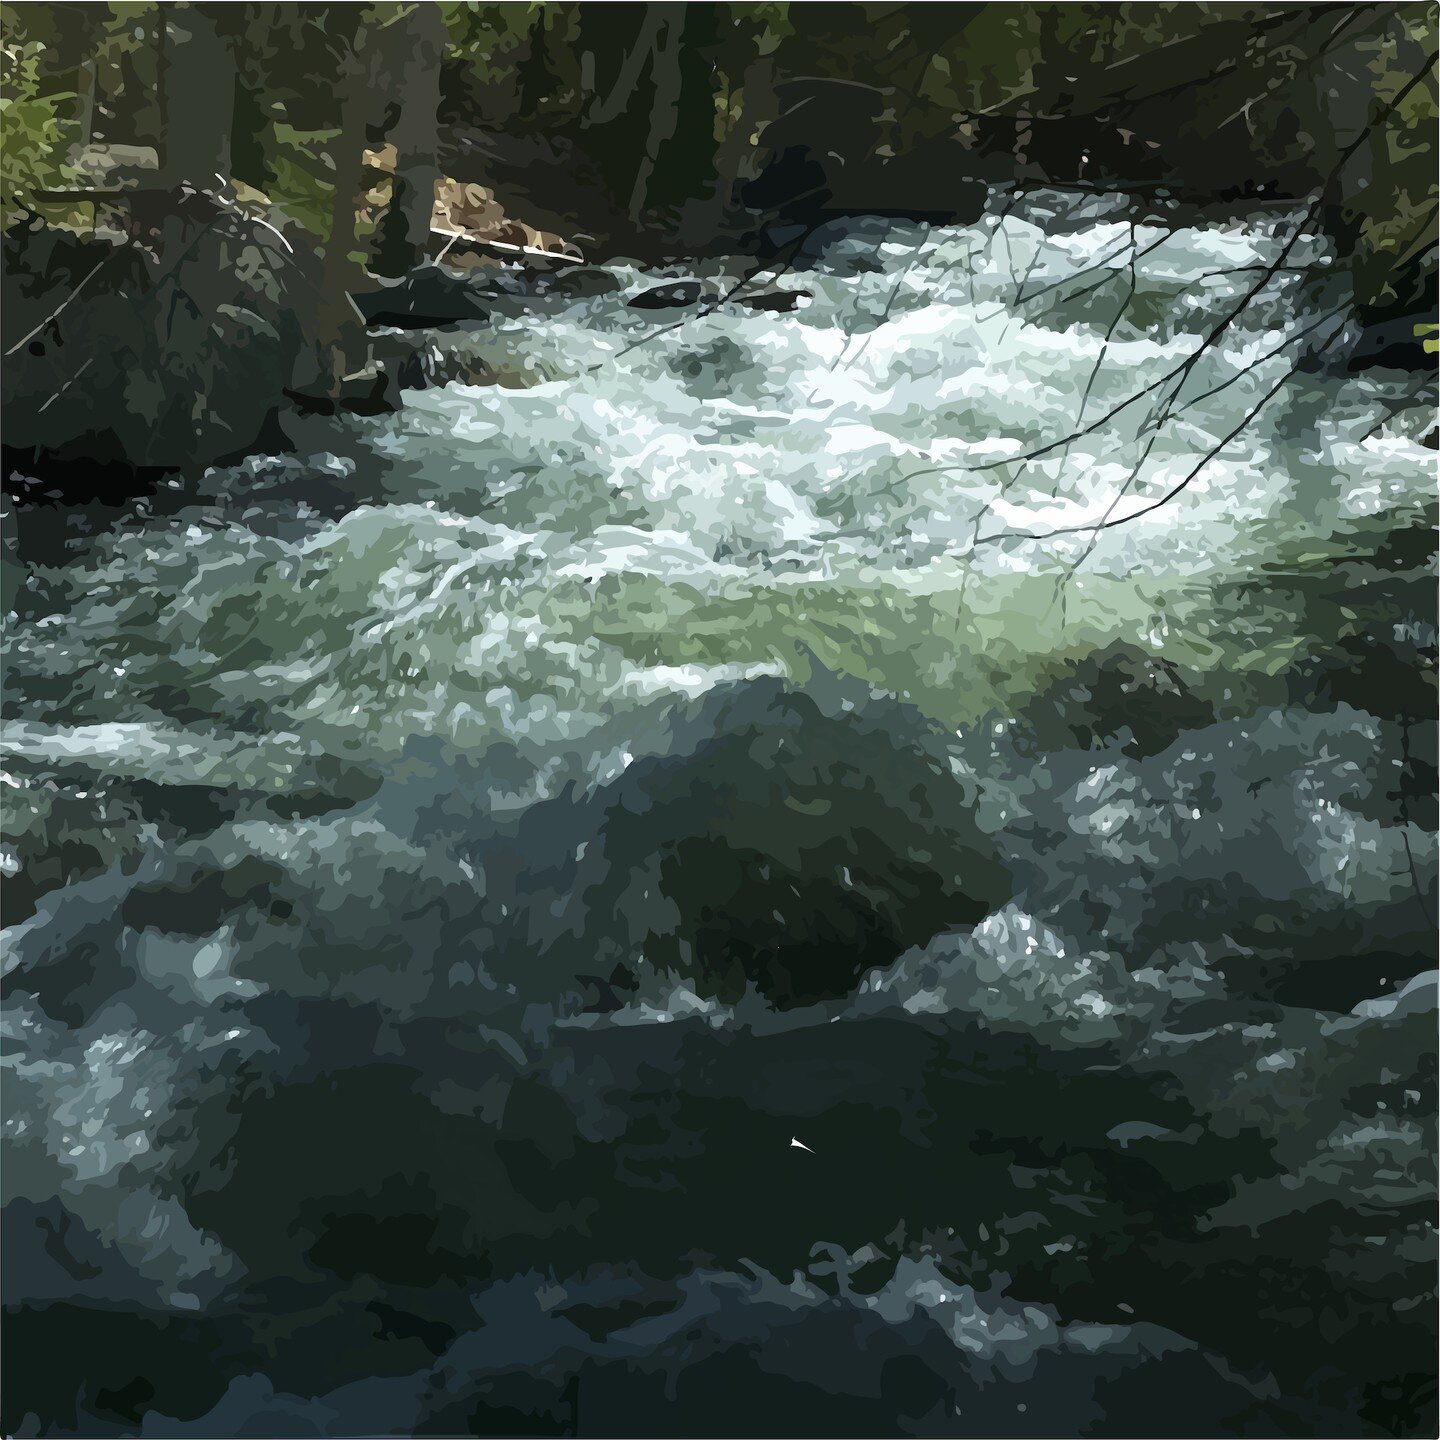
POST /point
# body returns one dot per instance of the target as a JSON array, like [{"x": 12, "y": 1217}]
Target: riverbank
[{"x": 99, "y": 421}]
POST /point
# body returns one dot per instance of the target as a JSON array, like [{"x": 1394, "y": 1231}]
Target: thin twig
[
  {"x": 1170, "y": 494},
  {"x": 885, "y": 313},
  {"x": 1213, "y": 336},
  {"x": 53, "y": 398},
  {"x": 54, "y": 314}
]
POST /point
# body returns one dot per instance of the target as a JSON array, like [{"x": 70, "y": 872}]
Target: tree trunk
[
  {"x": 337, "y": 331},
  {"x": 627, "y": 78},
  {"x": 665, "y": 104},
  {"x": 88, "y": 87},
  {"x": 533, "y": 73},
  {"x": 264, "y": 33},
  {"x": 737, "y": 162},
  {"x": 198, "y": 85},
  {"x": 405, "y": 229}
]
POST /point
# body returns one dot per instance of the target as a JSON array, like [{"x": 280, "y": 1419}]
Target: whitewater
[{"x": 965, "y": 723}]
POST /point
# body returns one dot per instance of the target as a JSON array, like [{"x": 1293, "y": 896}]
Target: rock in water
[
  {"x": 1394, "y": 344},
  {"x": 673, "y": 296},
  {"x": 776, "y": 302},
  {"x": 584, "y": 282},
  {"x": 373, "y": 390},
  {"x": 427, "y": 297}
]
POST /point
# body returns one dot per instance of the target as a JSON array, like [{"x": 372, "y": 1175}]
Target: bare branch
[
  {"x": 54, "y": 314},
  {"x": 1179, "y": 486}
]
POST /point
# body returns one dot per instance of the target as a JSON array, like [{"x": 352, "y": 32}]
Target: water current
[{"x": 973, "y": 725}]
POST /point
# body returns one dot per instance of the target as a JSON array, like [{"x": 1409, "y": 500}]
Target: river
[{"x": 867, "y": 870}]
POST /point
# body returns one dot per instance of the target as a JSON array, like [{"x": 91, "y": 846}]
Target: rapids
[{"x": 973, "y": 724}]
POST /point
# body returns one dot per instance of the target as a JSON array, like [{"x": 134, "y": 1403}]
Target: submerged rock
[
  {"x": 785, "y": 838},
  {"x": 1120, "y": 694}
]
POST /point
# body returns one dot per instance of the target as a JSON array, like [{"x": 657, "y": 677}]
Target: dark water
[{"x": 452, "y": 866}]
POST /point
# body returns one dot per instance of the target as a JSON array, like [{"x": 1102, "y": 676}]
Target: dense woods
[
  {"x": 648, "y": 126},
  {"x": 345, "y": 144}
]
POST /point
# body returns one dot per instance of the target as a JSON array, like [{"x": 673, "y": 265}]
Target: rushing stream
[{"x": 450, "y": 864}]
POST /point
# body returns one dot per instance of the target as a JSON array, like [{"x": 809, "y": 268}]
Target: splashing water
[{"x": 946, "y": 660}]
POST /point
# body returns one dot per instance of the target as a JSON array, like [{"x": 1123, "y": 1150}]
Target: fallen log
[
  {"x": 74, "y": 194},
  {"x": 444, "y": 242}
]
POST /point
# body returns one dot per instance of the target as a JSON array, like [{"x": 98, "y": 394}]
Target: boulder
[
  {"x": 749, "y": 852},
  {"x": 427, "y": 297},
  {"x": 165, "y": 354},
  {"x": 1394, "y": 344}
]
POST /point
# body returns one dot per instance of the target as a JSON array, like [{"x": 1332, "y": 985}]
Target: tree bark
[
  {"x": 405, "y": 229},
  {"x": 199, "y": 79},
  {"x": 665, "y": 106},
  {"x": 627, "y": 80},
  {"x": 337, "y": 330},
  {"x": 88, "y": 88},
  {"x": 737, "y": 161}
]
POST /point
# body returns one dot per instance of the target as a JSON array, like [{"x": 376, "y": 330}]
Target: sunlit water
[{"x": 709, "y": 671}]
